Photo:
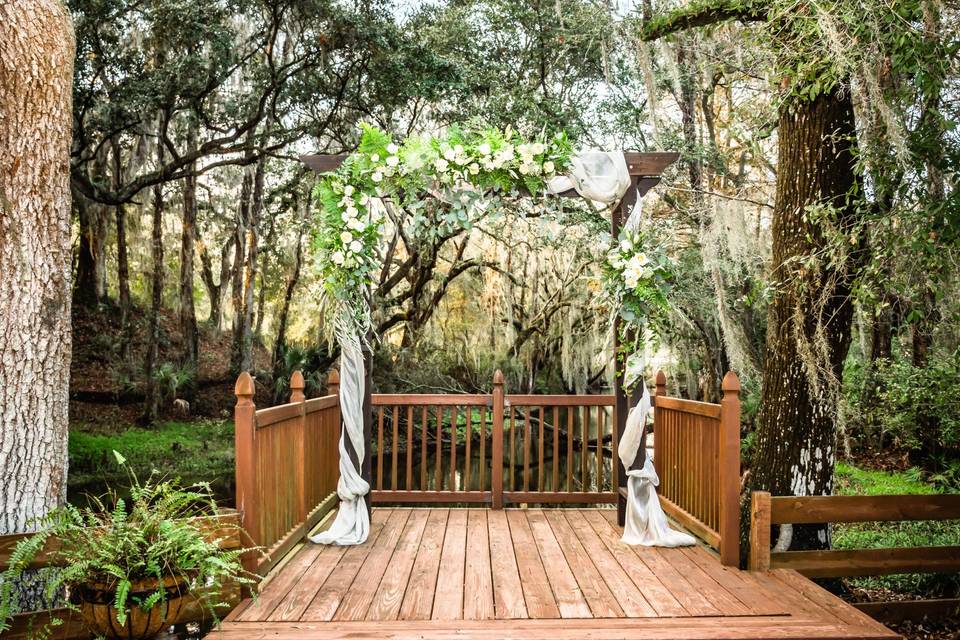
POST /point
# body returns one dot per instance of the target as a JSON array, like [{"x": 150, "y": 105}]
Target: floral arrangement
[
  {"x": 637, "y": 277},
  {"x": 466, "y": 168}
]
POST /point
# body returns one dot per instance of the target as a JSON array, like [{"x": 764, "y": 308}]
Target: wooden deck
[{"x": 531, "y": 573}]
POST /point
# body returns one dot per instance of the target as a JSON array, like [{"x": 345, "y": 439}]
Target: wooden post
[
  {"x": 759, "y": 531},
  {"x": 659, "y": 457},
  {"x": 333, "y": 384},
  {"x": 245, "y": 443},
  {"x": 496, "y": 453},
  {"x": 730, "y": 471},
  {"x": 333, "y": 389},
  {"x": 300, "y": 461}
]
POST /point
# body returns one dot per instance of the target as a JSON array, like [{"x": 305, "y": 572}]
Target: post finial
[
  {"x": 333, "y": 382},
  {"x": 244, "y": 389},
  {"x": 297, "y": 385},
  {"x": 498, "y": 377},
  {"x": 731, "y": 383},
  {"x": 661, "y": 378}
]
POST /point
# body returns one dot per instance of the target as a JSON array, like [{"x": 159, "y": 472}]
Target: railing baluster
[
  {"x": 570, "y": 411},
  {"x": 556, "y": 448},
  {"x": 584, "y": 449},
  {"x": 483, "y": 448},
  {"x": 468, "y": 434},
  {"x": 394, "y": 451},
  {"x": 513, "y": 447},
  {"x": 600, "y": 416},
  {"x": 526, "y": 449},
  {"x": 540, "y": 457},
  {"x": 380, "y": 449},
  {"x": 410, "y": 448},
  {"x": 439, "y": 454},
  {"x": 423, "y": 452},
  {"x": 453, "y": 447}
]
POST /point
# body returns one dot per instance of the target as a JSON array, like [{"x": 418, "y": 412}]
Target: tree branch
[{"x": 702, "y": 13}]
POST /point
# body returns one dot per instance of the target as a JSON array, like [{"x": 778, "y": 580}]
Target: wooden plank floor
[{"x": 531, "y": 573}]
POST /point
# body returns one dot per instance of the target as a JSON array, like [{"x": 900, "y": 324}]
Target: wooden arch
[{"x": 645, "y": 171}]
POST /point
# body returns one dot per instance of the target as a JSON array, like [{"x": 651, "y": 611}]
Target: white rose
[
  {"x": 538, "y": 148},
  {"x": 346, "y": 237},
  {"x": 484, "y": 149},
  {"x": 489, "y": 165},
  {"x": 337, "y": 257},
  {"x": 642, "y": 259},
  {"x": 356, "y": 224},
  {"x": 392, "y": 148},
  {"x": 524, "y": 168},
  {"x": 374, "y": 157},
  {"x": 377, "y": 176},
  {"x": 356, "y": 246},
  {"x": 474, "y": 168},
  {"x": 458, "y": 149},
  {"x": 625, "y": 245},
  {"x": 393, "y": 161},
  {"x": 441, "y": 164},
  {"x": 352, "y": 211},
  {"x": 548, "y": 166},
  {"x": 631, "y": 280},
  {"x": 348, "y": 190},
  {"x": 449, "y": 154}
]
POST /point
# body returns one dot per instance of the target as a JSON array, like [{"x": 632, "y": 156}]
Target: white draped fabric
[
  {"x": 352, "y": 523},
  {"x": 646, "y": 523}
]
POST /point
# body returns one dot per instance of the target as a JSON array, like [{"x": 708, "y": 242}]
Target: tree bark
[
  {"x": 151, "y": 409},
  {"x": 123, "y": 267},
  {"x": 280, "y": 344},
  {"x": 810, "y": 316},
  {"x": 36, "y": 74},
  {"x": 91, "y": 281},
  {"x": 188, "y": 312},
  {"x": 240, "y": 240},
  {"x": 215, "y": 288}
]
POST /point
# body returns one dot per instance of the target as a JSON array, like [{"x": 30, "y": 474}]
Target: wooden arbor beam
[{"x": 645, "y": 170}]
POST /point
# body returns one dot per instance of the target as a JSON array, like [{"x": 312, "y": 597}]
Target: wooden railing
[
  {"x": 767, "y": 511},
  {"x": 286, "y": 466},
  {"x": 493, "y": 448},
  {"x": 697, "y": 456},
  {"x": 26, "y": 625}
]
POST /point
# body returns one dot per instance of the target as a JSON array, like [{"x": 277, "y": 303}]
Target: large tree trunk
[
  {"x": 240, "y": 240},
  {"x": 91, "y": 281},
  {"x": 151, "y": 409},
  {"x": 215, "y": 288},
  {"x": 810, "y": 315},
  {"x": 280, "y": 344},
  {"x": 123, "y": 268},
  {"x": 188, "y": 312},
  {"x": 36, "y": 75}
]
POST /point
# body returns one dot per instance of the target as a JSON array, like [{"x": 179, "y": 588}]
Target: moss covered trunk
[{"x": 811, "y": 311}]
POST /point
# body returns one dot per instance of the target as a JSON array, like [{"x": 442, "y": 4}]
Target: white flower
[
  {"x": 374, "y": 157},
  {"x": 346, "y": 237},
  {"x": 642, "y": 259},
  {"x": 464, "y": 198},
  {"x": 524, "y": 168},
  {"x": 474, "y": 168},
  {"x": 393, "y": 161},
  {"x": 631, "y": 280},
  {"x": 484, "y": 149},
  {"x": 538, "y": 148},
  {"x": 441, "y": 164},
  {"x": 352, "y": 211},
  {"x": 489, "y": 165},
  {"x": 356, "y": 246},
  {"x": 625, "y": 245},
  {"x": 449, "y": 154},
  {"x": 548, "y": 166},
  {"x": 348, "y": 190},
  {"x": 392, "y": 148},
  {"x": 458, "y": 149},
  {"x": 377, "y": 176},
  {"x": 345, "y": 216},
  {"x": 337, "y": 257},
  {"x": 356, "y": 224}
]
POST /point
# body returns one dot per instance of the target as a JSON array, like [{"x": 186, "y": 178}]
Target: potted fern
[{"x": 128, "y": 565}]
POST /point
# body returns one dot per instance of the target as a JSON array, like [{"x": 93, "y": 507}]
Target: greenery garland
[{"x": 467, "y": 167}]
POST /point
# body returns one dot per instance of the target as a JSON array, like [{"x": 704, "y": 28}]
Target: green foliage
[
  {"x": 199, "y": 450},
  {"x": 155, "y": 534},
  {"x": 916, "y": 409},
  {"x": 852, "y": 480},
  {"x": 172, "y": 379}
]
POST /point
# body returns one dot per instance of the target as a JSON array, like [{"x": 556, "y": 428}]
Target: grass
[
  {"x": 852, "y": 480},
  {"x": 192, "y": 451}
]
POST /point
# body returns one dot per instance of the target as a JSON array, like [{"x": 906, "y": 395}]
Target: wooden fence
[
  {"x": 25, "y": 625},
  {"x": 493, "y": 448},
  {"x": 767, "y": 511},
  {"x": 697, "y": 456},
  {"x": 287, "y": 461}
]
